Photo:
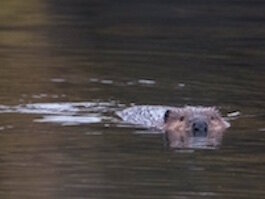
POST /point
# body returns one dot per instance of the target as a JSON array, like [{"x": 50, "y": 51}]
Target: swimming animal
[{"x": 185, "y": 127}]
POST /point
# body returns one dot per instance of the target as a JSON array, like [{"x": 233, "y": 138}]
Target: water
[{"x": 113, "y": 54}]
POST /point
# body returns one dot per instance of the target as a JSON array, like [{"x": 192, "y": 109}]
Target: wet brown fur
[{"x": 178, "y": 125}]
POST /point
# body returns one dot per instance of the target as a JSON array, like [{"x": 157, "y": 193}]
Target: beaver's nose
[{"x": 199, "y": 129}]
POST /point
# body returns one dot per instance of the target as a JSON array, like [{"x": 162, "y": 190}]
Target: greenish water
[{"x": 115, "y": 54}]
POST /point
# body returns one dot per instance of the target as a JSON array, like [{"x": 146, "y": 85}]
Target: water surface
[{"x": 106, "y": 55}]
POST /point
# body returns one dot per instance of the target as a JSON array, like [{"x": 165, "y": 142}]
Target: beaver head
[{"x": 190, "y": 126}]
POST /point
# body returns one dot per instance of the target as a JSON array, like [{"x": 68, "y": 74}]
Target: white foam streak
[{"x": 69, "y": 120}]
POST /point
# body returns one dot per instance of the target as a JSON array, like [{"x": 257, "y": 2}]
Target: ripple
[
  {"x": 146, "y": 81},
  {"x": 58, "y": 80},
  {"x": 106, "y": 81},
  {"x": 69, "y": 120},
  {"x": 68, "y": 113},
  {"x": 133, "y": 82},
  {"x": 234, "y": 114}
]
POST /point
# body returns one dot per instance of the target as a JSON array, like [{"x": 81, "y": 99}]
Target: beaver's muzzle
[{"x": 199, "y": 129}]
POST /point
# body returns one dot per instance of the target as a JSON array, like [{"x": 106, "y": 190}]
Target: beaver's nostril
[
  {"x": 196, "y": 129},
  {"x": 200, "y": 129}
]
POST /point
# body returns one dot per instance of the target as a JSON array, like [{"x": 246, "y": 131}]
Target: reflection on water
[
  {"x": 124, "y": 53},
  {"x": 68, "y": 113}
]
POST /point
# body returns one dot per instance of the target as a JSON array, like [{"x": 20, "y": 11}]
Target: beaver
[{"x": 185, "y": 127}]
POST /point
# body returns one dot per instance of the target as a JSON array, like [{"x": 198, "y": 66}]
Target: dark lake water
[{"x": 66, "y": 65}]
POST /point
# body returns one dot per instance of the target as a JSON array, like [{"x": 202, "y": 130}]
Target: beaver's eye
[
  {"x": 181, "y": 118},
  {"x": 213, "y": 118}
]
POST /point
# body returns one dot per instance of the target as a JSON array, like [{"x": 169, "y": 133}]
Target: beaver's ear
[
  {"x": 170, "y": 115},
  {"x": 167, "y": 113}
]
